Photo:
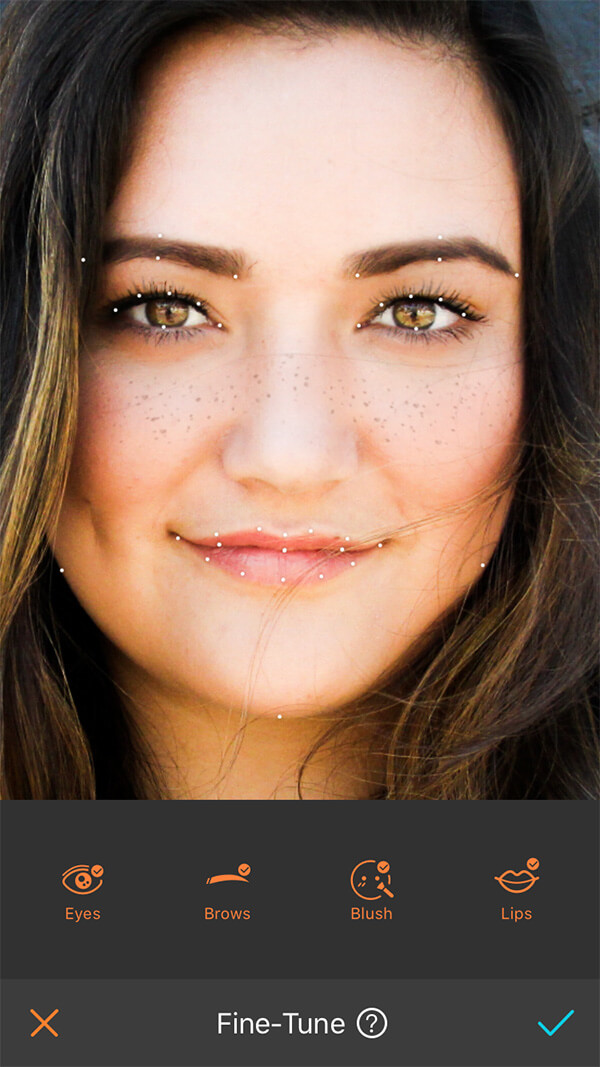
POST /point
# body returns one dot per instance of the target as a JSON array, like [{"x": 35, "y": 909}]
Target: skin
[{"x": 291, "y": 415}]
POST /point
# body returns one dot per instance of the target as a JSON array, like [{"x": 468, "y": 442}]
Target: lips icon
[{"x": 519, "y": 881}]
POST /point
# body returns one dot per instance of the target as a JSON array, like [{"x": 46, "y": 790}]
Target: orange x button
[{"x": 44, "y": 1022}]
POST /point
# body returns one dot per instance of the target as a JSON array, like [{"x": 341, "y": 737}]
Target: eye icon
[{"x": 82, "y": 879}]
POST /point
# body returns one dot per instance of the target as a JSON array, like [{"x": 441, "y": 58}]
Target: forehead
[{"x": 363, "y": 139}]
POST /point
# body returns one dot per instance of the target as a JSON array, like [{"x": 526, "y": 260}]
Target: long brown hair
[{"x": 498, "y": 699}]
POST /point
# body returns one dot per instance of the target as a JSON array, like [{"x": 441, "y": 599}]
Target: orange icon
[
  {"x": 242, "y": 875},
  {"x": 83, "y": 876},
  {"x": 44, "y": 1022},
  {"x": 370, "y": 879},
  {"x": 519, "y": 881}
]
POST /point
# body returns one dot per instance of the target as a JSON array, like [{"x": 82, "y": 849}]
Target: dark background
[{"x": 157, "y": 856}]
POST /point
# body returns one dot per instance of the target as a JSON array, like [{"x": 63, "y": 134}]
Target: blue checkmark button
[{"x": 558, "y": 1025}]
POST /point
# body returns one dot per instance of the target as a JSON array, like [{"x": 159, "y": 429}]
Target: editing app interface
[
  {"x": 198, "y": 934},
  {"x": 298, "y": 533}
]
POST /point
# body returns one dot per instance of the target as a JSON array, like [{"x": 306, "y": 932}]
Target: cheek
[
  {"x": 440, "y": 436},
  {"x": 138, "y": 433}
]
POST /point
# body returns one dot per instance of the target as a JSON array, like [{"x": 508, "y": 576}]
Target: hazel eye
[
  {"x": 166, "y": 314},
  {"x": 415, "y": 314}
]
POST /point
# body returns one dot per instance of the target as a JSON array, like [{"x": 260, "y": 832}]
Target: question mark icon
[{"x": 371, "y": 1022}]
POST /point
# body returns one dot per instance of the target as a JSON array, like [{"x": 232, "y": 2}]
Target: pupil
[
  {"x": 163, "y": 313},
  {"x": 411, "y": 315}
]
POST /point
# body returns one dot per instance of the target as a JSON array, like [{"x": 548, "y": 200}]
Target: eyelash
[
  {"x": 145, "y": 294},
  {"x": 450, "y": 301}
]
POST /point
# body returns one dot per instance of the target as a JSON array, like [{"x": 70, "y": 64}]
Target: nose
[{"x": 296, "y": 435}]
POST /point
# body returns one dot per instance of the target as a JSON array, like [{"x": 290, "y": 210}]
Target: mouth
[
  {"x": 516, "y": 881},
  {"x": 281, "y": 559}
]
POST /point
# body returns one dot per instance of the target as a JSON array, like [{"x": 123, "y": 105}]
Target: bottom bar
[{"x": 321, "y": 1023}]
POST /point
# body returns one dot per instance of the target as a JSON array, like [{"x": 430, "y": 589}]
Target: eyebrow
[
  {"x": 201, "y": 257},
  {"x": 383, "y": 260},
  {"x": 389, "y": 258}
]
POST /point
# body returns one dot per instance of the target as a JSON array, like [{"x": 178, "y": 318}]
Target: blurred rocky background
[{"x": 574, "y": 28}]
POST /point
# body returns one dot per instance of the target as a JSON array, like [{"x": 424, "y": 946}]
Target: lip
[
  {"x": 257, "y": 556},
  {"x": 520, "y": 881}
]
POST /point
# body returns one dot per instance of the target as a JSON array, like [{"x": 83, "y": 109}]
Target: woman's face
[{"x": 302, "y": 377}]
